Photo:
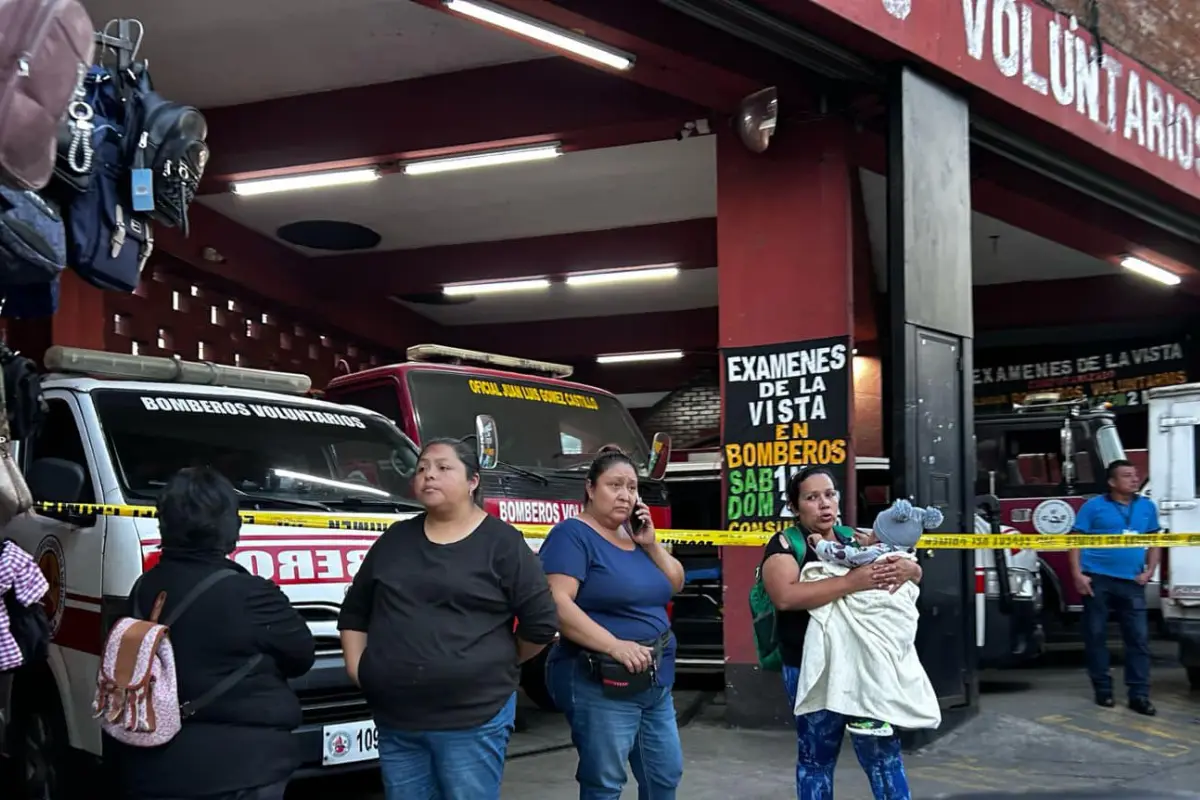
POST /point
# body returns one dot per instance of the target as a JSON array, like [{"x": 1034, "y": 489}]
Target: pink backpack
[
  {"x": 46, "y": 47},
  {"x": 137, "y": 695}
]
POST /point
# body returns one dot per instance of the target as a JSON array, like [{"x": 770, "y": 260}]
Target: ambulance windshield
[
  {"x": 541, "y": 423},
  {"x": 276, "y": 453}
]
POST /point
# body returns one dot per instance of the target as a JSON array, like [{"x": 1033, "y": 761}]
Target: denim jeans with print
[
  {"x": 609, "y": 733},
  {"x": 819, "y": 742}
]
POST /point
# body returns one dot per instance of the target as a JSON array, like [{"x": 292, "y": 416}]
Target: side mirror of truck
[
  {"x": 57, "y": 480},
  {"x": 487, "y": 442},
  {"x": 660, "y": 456}
]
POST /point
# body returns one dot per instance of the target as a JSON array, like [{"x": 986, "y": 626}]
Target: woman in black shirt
[
  {"x": 427, "y": 630},
  {"x": 813, "y": 499}
]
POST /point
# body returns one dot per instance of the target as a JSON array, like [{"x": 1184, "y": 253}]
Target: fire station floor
[{"x": 1037, "y": 731}]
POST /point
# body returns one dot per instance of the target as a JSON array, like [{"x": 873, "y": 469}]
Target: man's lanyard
[{"x": 1128, "y": 514}]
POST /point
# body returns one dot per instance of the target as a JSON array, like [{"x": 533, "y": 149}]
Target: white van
[
  {"x": 117, "y": 427},
  {"x": 1173, "y": 437}
]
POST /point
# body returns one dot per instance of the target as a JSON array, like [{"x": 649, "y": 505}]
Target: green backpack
[{"x": 762, "y": 610}]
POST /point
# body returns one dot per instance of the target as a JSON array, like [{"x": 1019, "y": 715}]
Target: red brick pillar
[{"x": 784, "y": 241}]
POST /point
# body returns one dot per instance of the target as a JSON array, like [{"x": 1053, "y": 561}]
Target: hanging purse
[{"x": 15, "y": 498}]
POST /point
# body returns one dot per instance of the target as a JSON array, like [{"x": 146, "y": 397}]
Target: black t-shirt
[
  {"x": 441, "y": 654},
  {"x": 791, "y": 625}
]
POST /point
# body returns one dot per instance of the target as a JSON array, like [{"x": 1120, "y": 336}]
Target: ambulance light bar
[
  {"x": 434, "y": 352},
  {"x": 74, "y": 360}
]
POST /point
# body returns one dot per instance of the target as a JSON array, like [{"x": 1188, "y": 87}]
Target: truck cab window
[{"x": 59, "y": 437}]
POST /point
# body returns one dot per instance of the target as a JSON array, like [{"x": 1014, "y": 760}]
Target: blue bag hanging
[
  {"x": 32, "y": 253},
  {"x": 107, "y": 242},
  {"x": 36, "y": 301}
]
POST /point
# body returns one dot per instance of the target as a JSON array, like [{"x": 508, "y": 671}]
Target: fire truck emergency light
[
  {"x": 532, "y": 28},
  {"x": 1151, "y": 271},
  {"x": 78, "y": 361},
  {"x": 434, "y": 352}
]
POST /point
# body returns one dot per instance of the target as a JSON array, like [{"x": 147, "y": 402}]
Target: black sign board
[
  {"x": 1119, "y": 372},
  {"x": 787, "y": 406}
]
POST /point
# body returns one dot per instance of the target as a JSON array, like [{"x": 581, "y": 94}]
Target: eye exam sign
[
  {"x": 786, "y": 407},
  {"x": 1028, "y": 56}
]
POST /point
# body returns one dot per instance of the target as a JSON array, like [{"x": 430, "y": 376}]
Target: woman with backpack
[
  {"x": 813, "y": 500},
  {"x": 613, "y": 669},
  {"x": 235, "y": 646}
]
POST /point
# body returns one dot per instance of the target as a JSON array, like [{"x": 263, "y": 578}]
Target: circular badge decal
[
  {"x": 1054, "y": 517},
  {"x": 337, "y": 745},
  {"x": 50, "y": 559}
]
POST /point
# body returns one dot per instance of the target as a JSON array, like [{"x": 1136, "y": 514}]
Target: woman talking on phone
[{"x": 613, "y": 668}]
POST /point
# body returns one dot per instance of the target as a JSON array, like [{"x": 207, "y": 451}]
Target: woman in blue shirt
[{"x": 612, "y": 671}]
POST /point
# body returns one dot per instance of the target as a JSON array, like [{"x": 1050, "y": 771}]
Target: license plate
[
  {"x": 1185, "y": 592},
  {"x": 350, "y": 743}
]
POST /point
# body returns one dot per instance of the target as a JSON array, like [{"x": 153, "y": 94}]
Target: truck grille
[{"x": 327, "y": 706}]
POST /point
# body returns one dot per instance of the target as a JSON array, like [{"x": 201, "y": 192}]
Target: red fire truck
[{"x": 548, "y": 430}]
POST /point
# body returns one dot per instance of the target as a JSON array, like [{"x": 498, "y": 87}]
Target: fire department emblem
[
  {"x": 1054, "y": 517},
  {"x": 900, "y": 9},
  {"x": 53, "y": 564},
  {"x": 337, "y": 745}
]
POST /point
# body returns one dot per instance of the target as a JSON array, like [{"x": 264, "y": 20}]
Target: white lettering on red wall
[
  {"x": 1121, "y": 100},
  {"x": 291, "y": 564}
]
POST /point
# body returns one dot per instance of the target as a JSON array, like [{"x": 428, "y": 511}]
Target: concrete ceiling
[
  {"x": 227, "y": 52},
  {"x": 615, "y": 187}
]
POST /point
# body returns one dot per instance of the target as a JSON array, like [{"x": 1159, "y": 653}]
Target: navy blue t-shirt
[{"x": 621, "y": 590}]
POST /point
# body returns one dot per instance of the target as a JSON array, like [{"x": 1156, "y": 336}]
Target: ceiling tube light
[
  {"x": 630, "y": 358},
  {"x": 495, "y": 287},
  {"x": 315, "y": 180},
  {"x": 1148, "y": 270},
  {"x": 489, "y": 158},
  {"x": 539, "y": 31},
  {"x": 622, "y": 276}
]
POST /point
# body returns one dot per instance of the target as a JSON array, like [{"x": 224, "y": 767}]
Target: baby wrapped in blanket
[{"x": 860, "y": 658}]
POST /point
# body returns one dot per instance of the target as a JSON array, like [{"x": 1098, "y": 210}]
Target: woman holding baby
[{"x": 813, "y": 499}]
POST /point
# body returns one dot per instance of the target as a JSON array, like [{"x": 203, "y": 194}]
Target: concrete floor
[{"x": 1037, "y": 731}]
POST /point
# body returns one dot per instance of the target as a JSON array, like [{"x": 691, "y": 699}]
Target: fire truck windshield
[
  {"x": 542, "y": 424},
  {"x": 277, "y": 453}
]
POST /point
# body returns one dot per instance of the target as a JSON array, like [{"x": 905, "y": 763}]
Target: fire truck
[
  {"x": 1174, "y": 434},
  {"x": 549, "y": 428},
  {"x": 117, "y": 427},
  {"x": 1043, "y": 460}
]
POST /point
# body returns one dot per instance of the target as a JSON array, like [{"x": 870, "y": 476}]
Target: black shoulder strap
[
  {"x": 191, "y": 707},
  {"x": 191, "y": 597}
]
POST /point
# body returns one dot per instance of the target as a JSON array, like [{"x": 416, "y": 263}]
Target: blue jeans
[
  {"x": 608, "y": 733},
  {"x": 1128, "y": 599},
  {"x": 447, "y": 765},
  {"x": 819, "y": 741}
]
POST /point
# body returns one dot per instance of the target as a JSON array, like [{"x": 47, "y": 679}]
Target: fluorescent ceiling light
[
  {"x": 304, "y": 477},
  {"x": 540, "y": 31},
  {"x": 1148, "y": 270},
  {"x": 316, "y": 180},
  {"x": 622, "y": 276},
  {"x": 629, "y": 358},
  {"x": 495, "y": 287},
  {"x": 490, "y": 158}
]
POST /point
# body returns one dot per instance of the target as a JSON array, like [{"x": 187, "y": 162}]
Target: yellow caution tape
[{"x": 931, "y": 541}]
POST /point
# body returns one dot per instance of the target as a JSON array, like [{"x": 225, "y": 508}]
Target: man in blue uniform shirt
[{"x": 1115, "y": 579}]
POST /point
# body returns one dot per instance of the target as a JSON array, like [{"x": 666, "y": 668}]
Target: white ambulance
[
  {"x": 117, "y": 427},
  {"x": 1173, "y": 438}
]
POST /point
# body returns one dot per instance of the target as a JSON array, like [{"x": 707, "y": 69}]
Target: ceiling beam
[
  {"x": 272, "y": 271},
  {"x": 524, "y": 103},
  {"x": 692, "y": 244}
]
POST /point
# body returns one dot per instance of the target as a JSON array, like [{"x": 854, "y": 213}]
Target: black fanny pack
[{"x": 615, "y": 680}]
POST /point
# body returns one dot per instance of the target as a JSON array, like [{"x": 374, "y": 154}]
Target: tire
[
  {"x": 1193, "y": 674},
  {"x": 42, "y": 759},
  {"x": 533, "y": 682}
]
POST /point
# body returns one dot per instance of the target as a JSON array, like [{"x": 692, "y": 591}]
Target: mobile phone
[{"x": 635, "y": 522}]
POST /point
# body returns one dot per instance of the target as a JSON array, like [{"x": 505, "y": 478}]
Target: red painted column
[
  {"x": 784, "y": 246},
  {"x": 81, "y": 321}
]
